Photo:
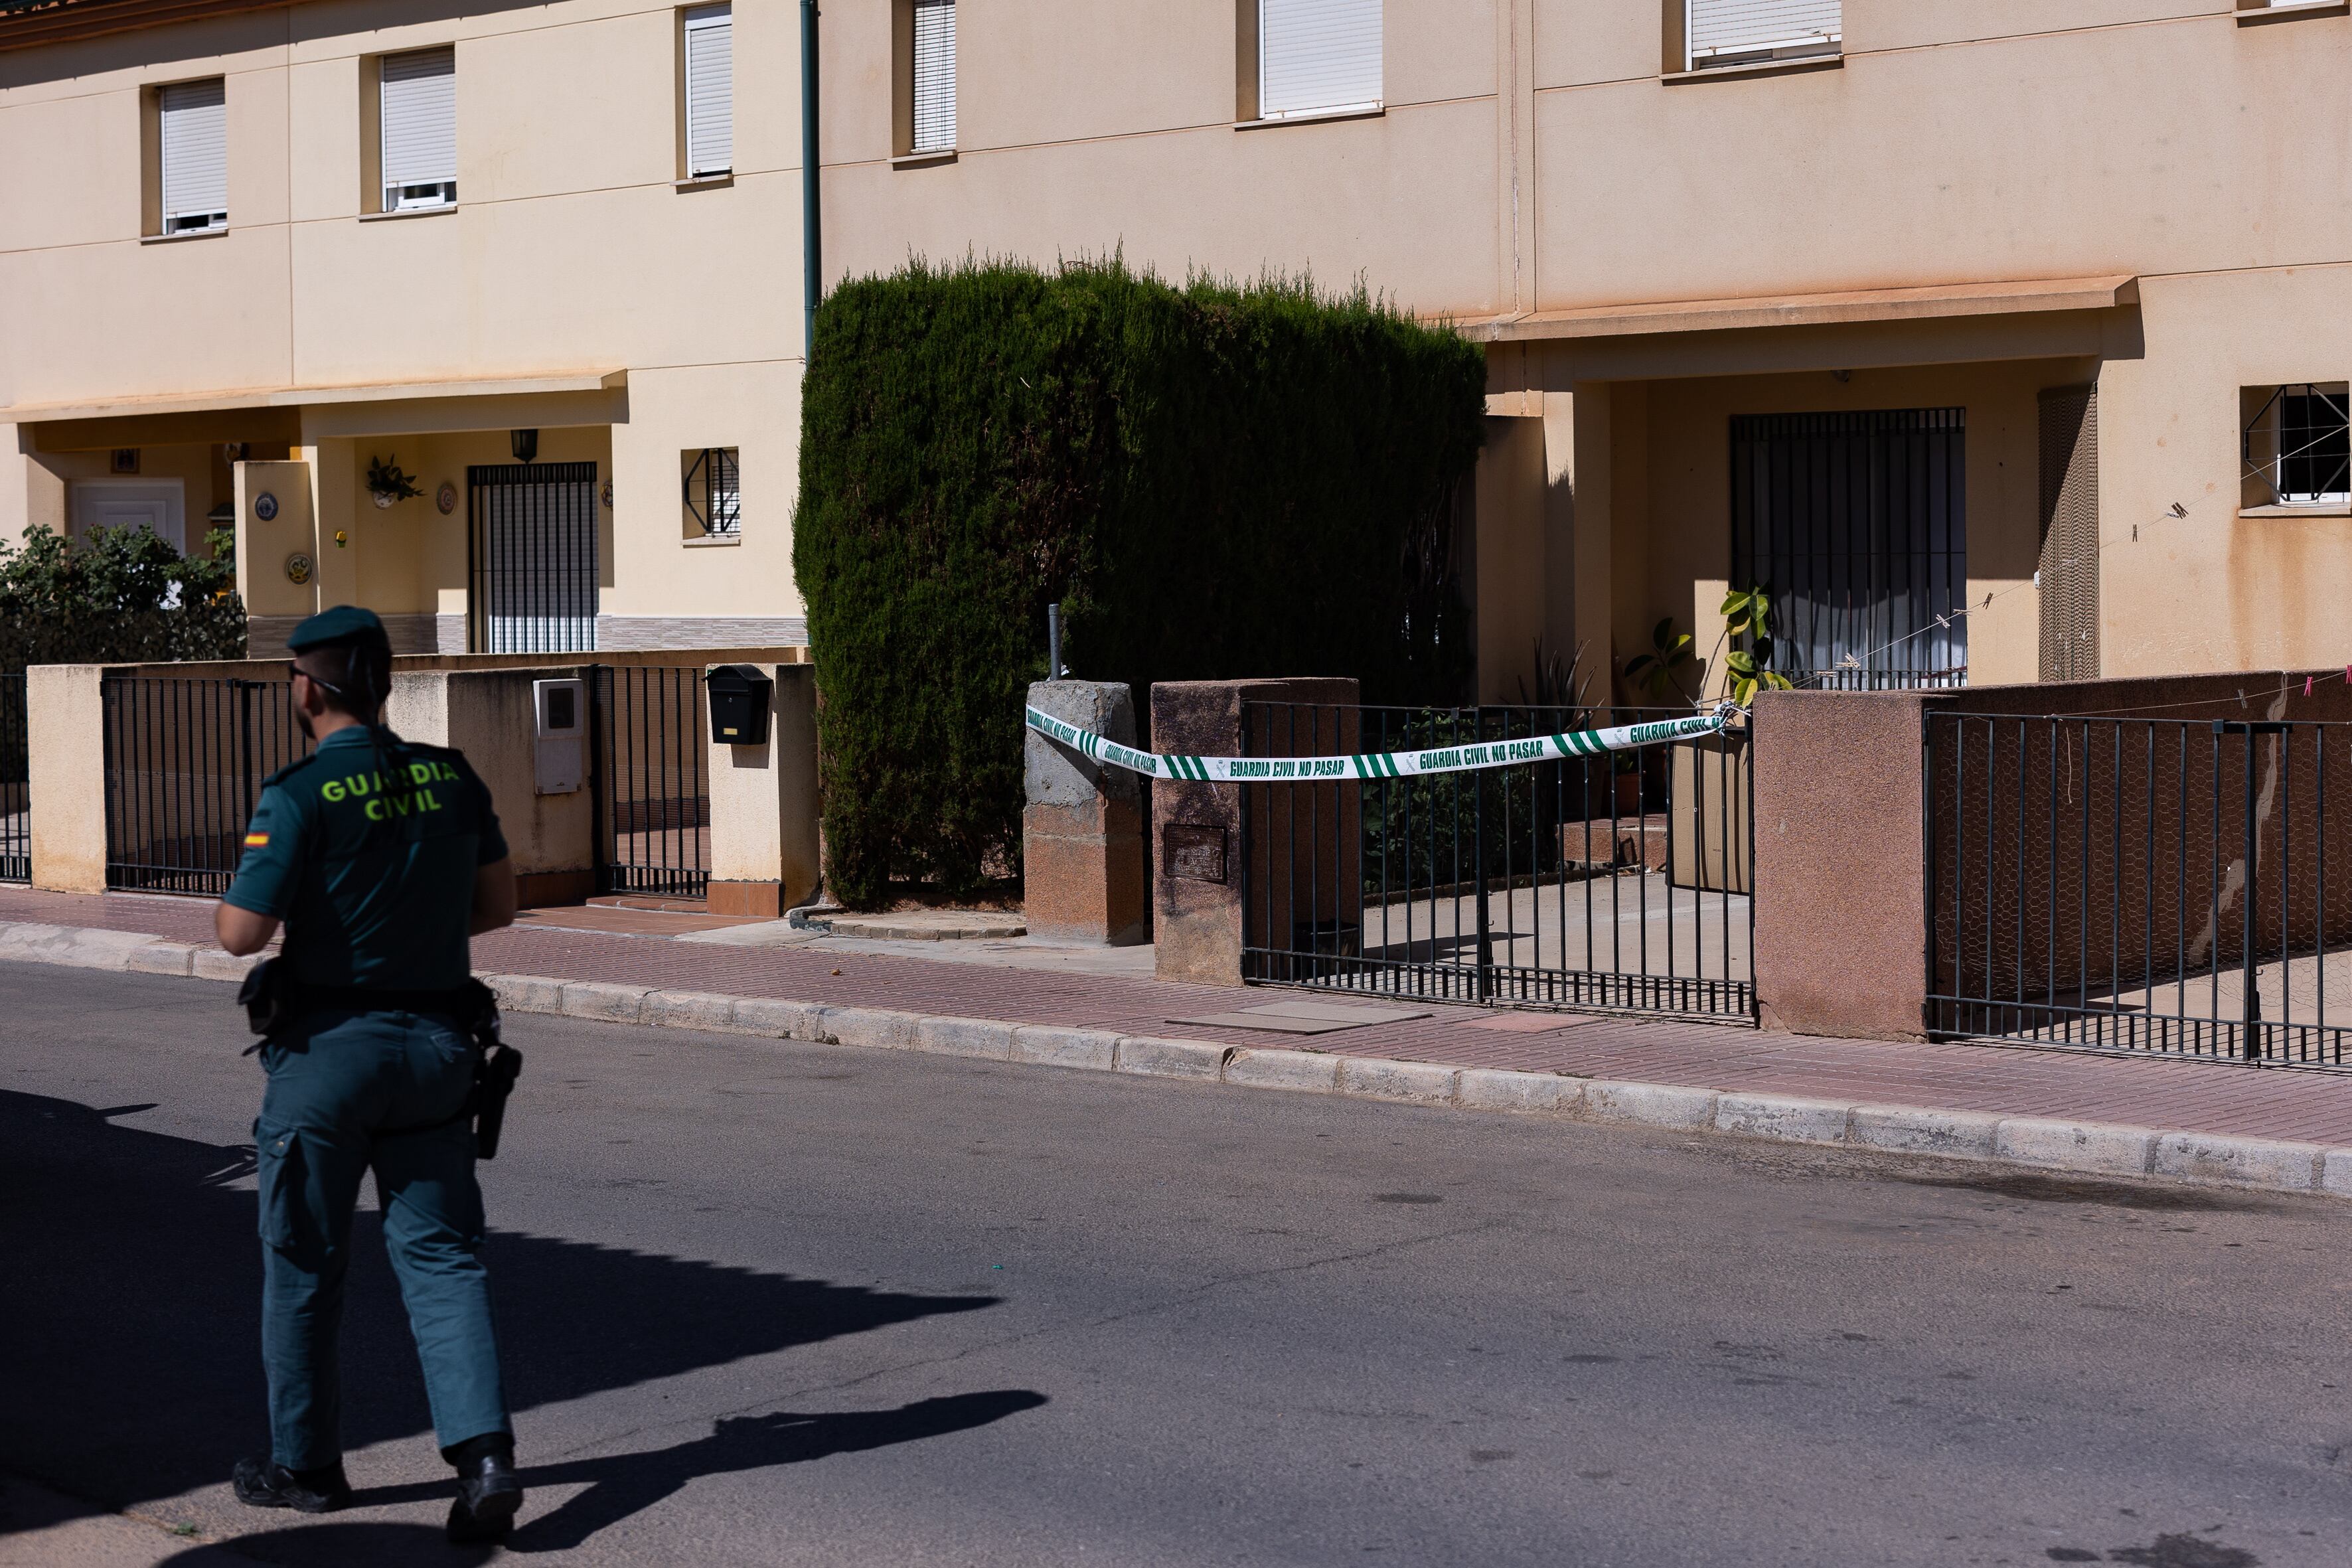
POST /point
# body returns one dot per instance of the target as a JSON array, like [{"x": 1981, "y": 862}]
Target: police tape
[{"x": 1382, "y": 764}]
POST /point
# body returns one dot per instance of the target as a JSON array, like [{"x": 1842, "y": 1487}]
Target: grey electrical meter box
[
  {"x": 740, "y": 696},
  {"x": 560, "y": 735}
]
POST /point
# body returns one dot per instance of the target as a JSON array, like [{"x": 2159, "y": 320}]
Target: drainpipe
[{"x": 812, "y": 247}]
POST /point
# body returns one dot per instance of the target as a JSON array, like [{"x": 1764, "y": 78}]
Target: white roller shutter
[
  {"x": 709, "y": 90},
  {"x": 1317, "y": 56},
  {"x": 935, "y": 76},
  {"x": 194, "y": 173},
  {"x": 1722, "y": 29},
  {"x": 420, "y": 129}
]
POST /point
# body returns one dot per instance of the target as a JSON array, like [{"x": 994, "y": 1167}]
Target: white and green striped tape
[{"x": 1379, "y": 765}]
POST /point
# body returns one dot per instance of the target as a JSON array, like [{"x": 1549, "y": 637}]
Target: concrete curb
[{"x": 2027, "y": 1143}]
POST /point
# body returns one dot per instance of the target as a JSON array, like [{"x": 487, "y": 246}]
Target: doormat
[{"x": 1302, "y": 1017}]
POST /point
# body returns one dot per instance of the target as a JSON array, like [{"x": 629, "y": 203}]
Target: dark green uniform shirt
[{"x": 373, "y": 876}]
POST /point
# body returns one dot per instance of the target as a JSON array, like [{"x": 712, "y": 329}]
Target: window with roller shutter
[
  {"x": 1317, "y": 56},
  {"x": 1742, "y": 32},
  {"x": 935, "y": 76},
  {"x": 192, "y": 156},
  {"x": 709, "y": 91},
  {"x": 419, "y": 128}
]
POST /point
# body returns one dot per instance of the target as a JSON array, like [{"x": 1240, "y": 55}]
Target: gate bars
[
  {"x": 15, "y": 782},
  {"x": 531, "y": 545},
  {"x": 1563, "y": 884},
  {"x": 2159, "y": 886},
  {"x": 184, "y": 761},
  {"x": 653, "y": 797}
]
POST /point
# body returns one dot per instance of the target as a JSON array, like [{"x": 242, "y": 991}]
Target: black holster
[{"x": 272, "y": 1002}]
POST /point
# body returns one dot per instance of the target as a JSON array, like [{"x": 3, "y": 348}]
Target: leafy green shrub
[
  {"x": 118, "y": 594},
  {"x": 1215, "y": 481}
]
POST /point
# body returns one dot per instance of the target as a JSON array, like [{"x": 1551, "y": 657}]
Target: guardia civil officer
[{"x": 382, "y": 857}]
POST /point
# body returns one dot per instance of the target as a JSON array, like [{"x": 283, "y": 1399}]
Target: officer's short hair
[
  {"x": 353, "y": 675},
  {"x": 347, "y": 653}
]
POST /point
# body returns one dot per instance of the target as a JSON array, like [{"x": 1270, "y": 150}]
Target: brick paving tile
[{"x": 2014, "y": 1080}]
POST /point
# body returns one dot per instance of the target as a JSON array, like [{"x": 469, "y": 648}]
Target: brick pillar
[
  {"x": 1841, "y": 855},
  {"x": 1082, "y": 830},
  {"x": 1198, "y": 921}
]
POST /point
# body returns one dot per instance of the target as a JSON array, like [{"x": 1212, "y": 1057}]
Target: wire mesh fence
[{"x": 1619, "y": 883}]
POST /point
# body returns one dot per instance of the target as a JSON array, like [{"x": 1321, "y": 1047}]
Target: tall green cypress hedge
[{"x": 1215, "y": 481}]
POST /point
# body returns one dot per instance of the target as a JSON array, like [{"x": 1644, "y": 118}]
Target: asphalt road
[{"x": 777, "y": 1304}]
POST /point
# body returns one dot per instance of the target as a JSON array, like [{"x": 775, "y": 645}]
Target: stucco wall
[{"x": 571, "y": 251}]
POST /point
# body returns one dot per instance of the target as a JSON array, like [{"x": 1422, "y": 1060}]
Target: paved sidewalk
[{"x": 2006, "y": 1080}]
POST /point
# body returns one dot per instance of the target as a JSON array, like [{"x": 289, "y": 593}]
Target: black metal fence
[
  {"x": 2141, "y": 885},
  {"x": 1616, "y": 882},
  {"x": 653, "y": 797},
  {"x": 184, "y": 763},
  {"x": 15, "y": 782}
]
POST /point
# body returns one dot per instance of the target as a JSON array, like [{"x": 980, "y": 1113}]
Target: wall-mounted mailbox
[
  {"x": 560, "y": 730},
  {"x": 741, "y": 697}
]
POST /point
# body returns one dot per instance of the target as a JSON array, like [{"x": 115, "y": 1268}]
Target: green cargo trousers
[{"x": 337, "y": 1079}]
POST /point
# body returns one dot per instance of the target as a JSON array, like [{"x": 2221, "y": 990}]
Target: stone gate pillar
[
  {"x": 1082, "y": 829},
  {"x": 1200, "y": 924}
]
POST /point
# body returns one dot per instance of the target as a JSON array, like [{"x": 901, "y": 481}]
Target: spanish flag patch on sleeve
[{"x": 256, "y": 840}]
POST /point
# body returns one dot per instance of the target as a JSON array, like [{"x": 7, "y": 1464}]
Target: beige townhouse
[
  {"x": 2003, "y": 339},
  {"x": 486, "y": 316},
  {"x": 2034, "y": 309}
]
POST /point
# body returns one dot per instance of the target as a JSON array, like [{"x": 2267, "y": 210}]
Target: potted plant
[{"x": 387, "y": 484}]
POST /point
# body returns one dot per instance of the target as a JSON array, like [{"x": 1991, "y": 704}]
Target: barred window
[
  {"x": 2297, "y": 442},
  {"x": 714, "y": 494}
]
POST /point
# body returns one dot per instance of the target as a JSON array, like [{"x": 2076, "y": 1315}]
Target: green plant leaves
[
  {"x": 118, "y": 594},
  {"x": 1214, "y": 481}
]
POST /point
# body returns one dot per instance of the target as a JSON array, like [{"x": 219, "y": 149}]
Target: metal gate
[
  {"x": 16, "y": 782},
  {"x": 184, "y": 761},
  {"x": 1618, "y": 883},
  {"x": 1858, "y": 523},
  {"x": 653, "y": 797},
  {"x": 531, "y": 532},
  {"x": 2154, "y": 886}
]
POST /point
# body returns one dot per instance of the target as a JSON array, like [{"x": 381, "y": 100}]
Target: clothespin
[{"x": 2306, "y": 685}]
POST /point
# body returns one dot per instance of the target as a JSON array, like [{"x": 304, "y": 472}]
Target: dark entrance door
[
  {"x": 533, "y": 529},
  {"x": 1858, "y": 523}
]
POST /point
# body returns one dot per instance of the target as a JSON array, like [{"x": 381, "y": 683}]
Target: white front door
[{"x": 161, "y": 504}]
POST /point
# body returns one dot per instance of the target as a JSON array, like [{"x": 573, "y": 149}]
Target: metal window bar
[
  {"x": 532, "y": 542},
  {"x": 1563, "y": 885},
  {"x": 651, "y": 736},
  {"x": 15, "y": 782},
  {"x": 714, "y": 492},
  {"x": 2297, "y": 446},
  {"x": 2150, "y": 886},
  {"x": 184, "y": 761},
  {"x": 1857, "y": 523}
]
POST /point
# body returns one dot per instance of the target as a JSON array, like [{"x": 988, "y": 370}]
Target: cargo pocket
[{"x": 289, "y": 1220}]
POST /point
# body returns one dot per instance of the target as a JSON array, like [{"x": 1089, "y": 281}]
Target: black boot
[
  {"x": 489, "y": 1491},
  {"x": 264, "y": 1483}
]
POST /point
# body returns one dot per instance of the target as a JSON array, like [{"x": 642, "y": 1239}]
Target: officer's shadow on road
[
  {"x": 130, "y": 1304},
  {"x": 621, "y": 1484}
]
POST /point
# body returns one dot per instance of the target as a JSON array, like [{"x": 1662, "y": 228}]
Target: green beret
[{"x": 344, "y": 623}]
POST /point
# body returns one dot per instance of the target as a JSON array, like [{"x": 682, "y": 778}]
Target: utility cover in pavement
[{"x": 1303, "y": 1017}]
